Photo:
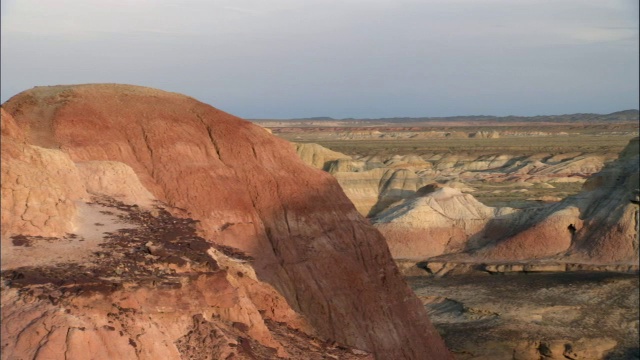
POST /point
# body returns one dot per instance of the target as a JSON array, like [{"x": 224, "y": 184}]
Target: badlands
[
  {"x": 142, "y": 224},
  {"x": 562, "y": 204},
  {"x": 550, "y": 201}
]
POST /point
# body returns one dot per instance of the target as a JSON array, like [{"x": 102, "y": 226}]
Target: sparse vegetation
[
  {"x": 568, "y": 136},
  {"x": 587, "y": 143}
]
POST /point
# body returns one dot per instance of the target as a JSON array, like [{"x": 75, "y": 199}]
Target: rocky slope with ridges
[
  {"x": 373, "y": 183},
  {"x": 436, "y": 220},
  {"x": 315, "y": 259},
  {"x": 598, "y": 226}
]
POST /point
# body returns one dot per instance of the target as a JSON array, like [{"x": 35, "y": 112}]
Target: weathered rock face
[
  {"x": 318, "y": 156},
  {"x": 39, "y": 186},
  {"x": 435, "y": 221},
  {"x": 370, "y": 184},
  {"x": 372, "y": 191},
  {"x": 249, "y": 191},
  {"x": 531, "y": 234},
  {"x": 610, "y": 212},
  {"x": 373, "y": 183},
  {"x": 362, "y": 188},
  {"x": 485, "y": 135},
  {"x": 151, "y": 290},
  {"x": 116, "y": 180},
  {"x": 597, "y": 226}
]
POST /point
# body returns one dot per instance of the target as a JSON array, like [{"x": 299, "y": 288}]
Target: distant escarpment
[
  {"x": 631, "y": 115},
  {"x": 138, "y": 223}
]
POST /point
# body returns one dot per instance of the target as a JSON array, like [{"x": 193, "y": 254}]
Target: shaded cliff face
[
  {"x": 249, "y": 191},
  {"x": 610, "y": 211}
]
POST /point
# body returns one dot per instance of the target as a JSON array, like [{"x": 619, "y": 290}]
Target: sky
[{"x": 337, "y": 58}]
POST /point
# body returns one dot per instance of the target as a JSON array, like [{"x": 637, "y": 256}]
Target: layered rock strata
[
  {"x": 597, "y": 226},
  {"x": 374, "y": 183},
  {"x": 436, "y": 220},
  {"x": 317, "y": 156}
]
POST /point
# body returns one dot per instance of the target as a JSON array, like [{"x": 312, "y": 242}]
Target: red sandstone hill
[{"x": 212, "y": 239}]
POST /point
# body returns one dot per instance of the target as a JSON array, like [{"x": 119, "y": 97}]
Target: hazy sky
[{"x": 338, "y": 58}]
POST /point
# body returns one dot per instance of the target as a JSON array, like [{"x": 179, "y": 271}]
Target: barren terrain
[
  {"x": 593, "y": 315},
  {"x": 431, "y": 185},
  {"x": 451, "y": 149}
]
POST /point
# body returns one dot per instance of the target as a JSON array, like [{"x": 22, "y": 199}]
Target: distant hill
[
  {"x": 319, "y": 118},
  {"x": 618, "y": 116}
]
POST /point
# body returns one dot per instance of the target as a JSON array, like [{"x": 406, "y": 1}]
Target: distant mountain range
[{"x": 624, "y": 115}]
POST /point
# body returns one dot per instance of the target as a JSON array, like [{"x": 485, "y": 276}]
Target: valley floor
[{"x": 579, "y": 315}]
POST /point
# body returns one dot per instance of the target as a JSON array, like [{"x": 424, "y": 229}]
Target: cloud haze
[{"x": 347, "y": 58}]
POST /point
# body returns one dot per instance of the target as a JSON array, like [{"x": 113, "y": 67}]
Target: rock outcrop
[
  {"x": 610, "y": 212},
  {"x": 318, "y": 156},
  {"x": 598, "y": 225},
  {"x": 116, "y": 180},
  {"x": 374, "y": 190},
  {"x": 39, "y": 186},
  {"x": 295, "y": 263},
  {"x": 373, "y": 183},
  {"x": 370, "y": 184},
  {"x": 485, "y": 135},
  {"x": 435, "y": 221}
]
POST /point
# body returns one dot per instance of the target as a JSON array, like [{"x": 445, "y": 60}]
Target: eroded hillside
[{"x": 163, "y": 227}]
